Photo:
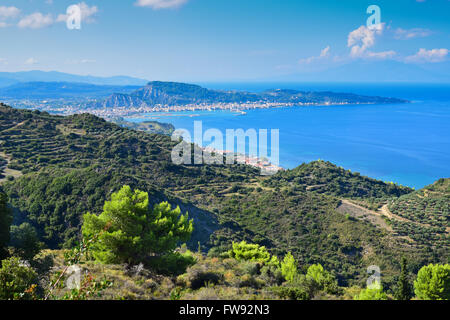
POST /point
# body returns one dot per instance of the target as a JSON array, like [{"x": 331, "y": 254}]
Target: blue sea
[{"x": 407, "y": 144}]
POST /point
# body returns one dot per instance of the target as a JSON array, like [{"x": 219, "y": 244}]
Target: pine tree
[
  {"x": 403, "y": 291},
  {"x": 289, "y": 268},
  {"x": 433, "y": 282},
  {"x": 129, "y": 231}
]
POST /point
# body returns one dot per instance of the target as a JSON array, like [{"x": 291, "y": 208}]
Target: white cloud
[
  {"x": 325, "y": 53},
  {"x": 381, "y": 55},
  {"x": 35, "y": 21},
  {"x": 87, "y": 13},
  {"x": 3, "y": 24},
  {"x": 3, "y": 61},
  {"x": 9, "y": 12},
  {"x": 433, "y": 55},
  {"x": 362, "y": 39},
  {"x": 31, "y": 61},
  {"x": 160, "y": 4},
  {"x": 406, "y": 34}
]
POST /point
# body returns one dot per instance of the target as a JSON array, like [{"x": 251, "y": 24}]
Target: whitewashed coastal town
[
  {"x": 68, "y": 107},
  {"x": 267, "y": 168}
]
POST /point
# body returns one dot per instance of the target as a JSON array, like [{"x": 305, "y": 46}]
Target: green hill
[
  {"x": 424, "y": 214},
  {"x": 71, "y": 165},
  {"x": 327, "y": 178}
]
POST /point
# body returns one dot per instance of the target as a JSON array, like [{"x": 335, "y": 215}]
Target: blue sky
[{"x": 218, "y": 40}]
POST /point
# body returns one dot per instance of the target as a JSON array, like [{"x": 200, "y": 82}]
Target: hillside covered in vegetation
[{"x": 65, "y": 167}]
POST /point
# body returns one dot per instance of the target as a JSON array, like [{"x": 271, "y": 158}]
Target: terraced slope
[
  {"x": 424, "y": 214},
  {"x": 326, "y": 178}
]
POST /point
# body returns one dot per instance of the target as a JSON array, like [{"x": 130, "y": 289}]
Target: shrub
[
  {"x": 291, "y": 293},
  {"x": 173, "y": 263},
  {"x": 244, "y": 251},
  {"x": 199, "y": 276},
  {"x": 272, "y": 275},
  {"x": 250, "y": 268},
  {"x": 250, "y": 281},
  {"x": 15, "y": 279},
  {"x": 25, "y": 241},
  {"x": 433, "y": 282},
  {"x": 371, "y": 294},
  {"x": 325, "y": 281}
]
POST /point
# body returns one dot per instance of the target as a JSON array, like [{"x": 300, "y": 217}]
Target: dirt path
[
  {"x": 386, "y": 212},
  {"x": 357, "y": 211},
  {"x": 6, "y": 171}
]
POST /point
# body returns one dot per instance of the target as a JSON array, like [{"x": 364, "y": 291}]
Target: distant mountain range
[
  {"x": 11, "y": 78},
  {"x": 59, "y": 90},
  {"x": 173, "y": 93}
]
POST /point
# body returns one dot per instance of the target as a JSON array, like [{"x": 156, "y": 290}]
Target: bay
[{"x": 407, "y": 144}]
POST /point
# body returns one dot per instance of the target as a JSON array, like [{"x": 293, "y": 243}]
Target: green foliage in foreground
[
  {"x": 128, "y": 231},
  {"x": 324, "y": 280},
  {"x": 16, "y": 279},
  {"x": 433, "y": 282},
  {"x": 372, "y": 293}
]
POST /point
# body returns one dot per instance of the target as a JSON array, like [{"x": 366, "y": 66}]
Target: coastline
[{"x": 267, "y": 168}]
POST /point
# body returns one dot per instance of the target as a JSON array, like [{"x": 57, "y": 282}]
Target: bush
[
  {"x": 325, "y": 281},
  {"x": 15, "y": 279},
  {"x": 199, "y": 276},
  {"x": 250, "y": 281},
  {"x": 25, "y": 241},
  {"x": 244, "y": 251},
  {"x": 291, "y": 293},
  {"x": 250, "y": 268},
  {"x": 371, "y": 294},
  {"x": 272, "y": 275},
  {"x": 173, "y": 263},
  {"x": 433, "y": 282}
]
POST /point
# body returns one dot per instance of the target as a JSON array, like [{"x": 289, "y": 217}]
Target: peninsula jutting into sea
[{"x": 160, "y": 96}]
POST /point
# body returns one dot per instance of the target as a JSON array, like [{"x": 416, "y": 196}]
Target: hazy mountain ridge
[
  {"x": 58, "y": 90},
  {"x": 10, "y": 78}
]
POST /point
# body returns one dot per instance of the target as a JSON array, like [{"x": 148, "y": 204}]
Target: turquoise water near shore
[{"x": 404, "y": 143}]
